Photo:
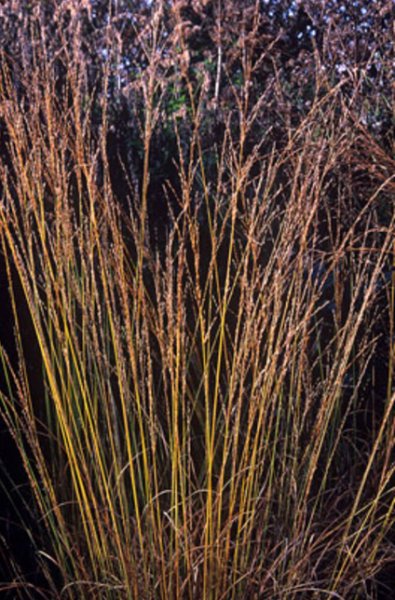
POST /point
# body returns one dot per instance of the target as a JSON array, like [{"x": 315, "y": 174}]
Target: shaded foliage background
[{"x": 298, "y": 49}]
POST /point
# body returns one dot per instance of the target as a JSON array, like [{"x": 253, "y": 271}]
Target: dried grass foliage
[{"x": 203, "y": 428}]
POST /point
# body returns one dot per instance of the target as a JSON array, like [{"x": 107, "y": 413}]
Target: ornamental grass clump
[{"x": 192, "y": 397}]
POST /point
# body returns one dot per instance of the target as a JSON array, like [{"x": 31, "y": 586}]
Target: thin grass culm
[{"x": 197, "y": 265}]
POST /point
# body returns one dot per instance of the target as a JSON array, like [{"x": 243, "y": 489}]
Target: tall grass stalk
[{"x": 195, "y": 432}]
